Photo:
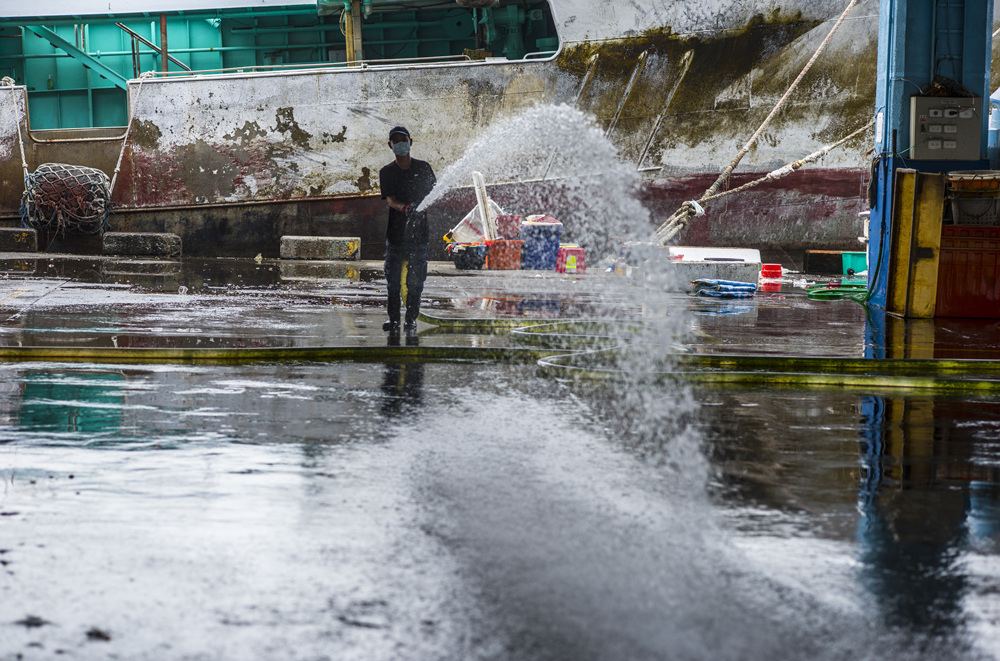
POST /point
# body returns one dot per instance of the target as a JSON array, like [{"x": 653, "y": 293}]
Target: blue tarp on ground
[{"x": 723, "y": 288}]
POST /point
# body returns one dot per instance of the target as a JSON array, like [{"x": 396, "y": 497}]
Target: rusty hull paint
[
  {"x": 812, "y": 209},
  {"x": 818, "y": 210}
]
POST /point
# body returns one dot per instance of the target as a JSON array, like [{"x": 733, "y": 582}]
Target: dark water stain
[
  {"x": 98, "y": 634},
  {"x": 33, "y": 622},
  {"x": 712, "y": 102},
  {"x": 364, "y": 182},
  {"x": 146, "y": 134},
  {"x": 339, "y": 137},
  {"x": 484, "y": 97},
  {"x": 286, "y": 123},
  {"x": 245, "y": 135},
  {"x": 719, "y": 59},
  {"x": 205, "y": 172}
]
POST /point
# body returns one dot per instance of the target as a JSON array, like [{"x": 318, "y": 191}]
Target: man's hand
[{"x": 407, "y": 208}]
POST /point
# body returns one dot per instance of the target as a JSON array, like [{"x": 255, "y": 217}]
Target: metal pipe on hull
[{"x": 164, "y": 57}]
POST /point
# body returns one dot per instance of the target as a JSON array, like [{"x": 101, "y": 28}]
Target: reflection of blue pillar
[
  {"x": 983, "y": 520},
  {"x": 920, "y": 41},
  {"x": 910, "y": 531},
  {"x": 875, "y": 333},
  {"x": 872, "y": 432}
]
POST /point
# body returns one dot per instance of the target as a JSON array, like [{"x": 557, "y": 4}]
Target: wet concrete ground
[
  {"x": 286, "y": 303},
  {"x": 476, "y": 510},
  {"x": 274, "y": 303}
]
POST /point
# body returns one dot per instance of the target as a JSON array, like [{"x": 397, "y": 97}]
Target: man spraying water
[{"x": 405, "y": 183}]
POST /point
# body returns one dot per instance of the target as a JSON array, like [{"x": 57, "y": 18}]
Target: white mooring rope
[
  {"x": 128, "y": 129},
  {"x": 8, "y": 82}
]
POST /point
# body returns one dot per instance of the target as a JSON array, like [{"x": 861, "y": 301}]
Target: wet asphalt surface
[{"x": 475, "y": 510}]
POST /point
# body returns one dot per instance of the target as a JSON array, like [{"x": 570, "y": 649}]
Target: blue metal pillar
[{"x": 921, "y": 41}]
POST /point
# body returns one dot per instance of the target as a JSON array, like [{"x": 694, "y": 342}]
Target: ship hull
[{"x": 232, "y": 162}]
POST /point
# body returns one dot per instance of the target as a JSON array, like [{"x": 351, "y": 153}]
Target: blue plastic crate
[{"x": 541, "y": 245}]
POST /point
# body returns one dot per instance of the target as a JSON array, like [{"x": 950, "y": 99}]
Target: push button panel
[{"x": 945, "y": 128}]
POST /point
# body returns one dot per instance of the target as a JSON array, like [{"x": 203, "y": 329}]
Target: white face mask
[{"x": 401, "y": 148}]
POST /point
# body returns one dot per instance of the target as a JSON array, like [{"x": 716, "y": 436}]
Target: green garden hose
[{"x": 853, "y": 292}]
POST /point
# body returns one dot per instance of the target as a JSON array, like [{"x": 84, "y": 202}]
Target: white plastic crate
[{"x": 976, "y": 210}]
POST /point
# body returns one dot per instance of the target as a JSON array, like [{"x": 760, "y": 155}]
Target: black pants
[{"x": 416, "y": 273}]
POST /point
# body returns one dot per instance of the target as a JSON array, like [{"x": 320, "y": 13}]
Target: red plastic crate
[
  {"x": 571, "y": 258},
  {"x": 969, "y": 272},
  {"x": 509, "y": 226},
  {"x": 503, "y": 254}
]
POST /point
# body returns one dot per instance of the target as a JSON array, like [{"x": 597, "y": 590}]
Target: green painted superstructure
[{"x": 75, "y": 67}]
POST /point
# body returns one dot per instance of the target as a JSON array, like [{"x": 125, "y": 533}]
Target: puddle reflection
[
  {"x": 941, "y": 338},
  {"x": 912, "y": 483},
  {"x": 402, "y": 382},
  {"x": 925, "y": 497},
  {"x": 84, "y": 402},
  {"x": 168, "y": 275},
  {"x": 550, "y": 306},
  {"x": 905, "y": 488}
]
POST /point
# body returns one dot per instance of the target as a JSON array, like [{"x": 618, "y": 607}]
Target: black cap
[{"x": 399, "y": 129}]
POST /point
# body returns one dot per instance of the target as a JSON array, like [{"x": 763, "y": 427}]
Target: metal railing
[
  {"x": 136, "y": 37},
  {"x": 361, "y": 64}
]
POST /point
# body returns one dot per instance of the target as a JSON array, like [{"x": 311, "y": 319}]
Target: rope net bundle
[{"x": 66, "y": 199}]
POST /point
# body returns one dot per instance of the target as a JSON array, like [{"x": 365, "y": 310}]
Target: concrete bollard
[
  {"x": 320, "y": 247},
  {"x": 18, "y": 239},
  {"x": 142, "y": 244}
]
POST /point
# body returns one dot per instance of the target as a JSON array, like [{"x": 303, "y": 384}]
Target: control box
[{"x": 945, "y": 128}]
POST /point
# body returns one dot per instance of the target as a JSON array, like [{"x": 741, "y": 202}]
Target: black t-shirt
[{"x": 409, "y": 186}]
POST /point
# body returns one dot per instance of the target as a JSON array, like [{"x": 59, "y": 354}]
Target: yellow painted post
[
  {"x": 355, "y": 34},
  {"x": 909, "y": 338},
  {"x": 909, "y": 441},
  {"x": 348, "y": 39},
  {"x": 915, "y": 244}
]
